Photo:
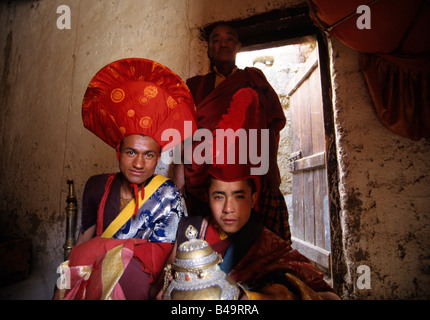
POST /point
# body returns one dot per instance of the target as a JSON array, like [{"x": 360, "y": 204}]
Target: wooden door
[{"x": 310, "y": 217}]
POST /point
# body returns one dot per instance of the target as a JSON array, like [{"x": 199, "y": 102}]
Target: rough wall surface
[
  {"x": 385, "y": 192},
  {"x": 44, "y": 71}
]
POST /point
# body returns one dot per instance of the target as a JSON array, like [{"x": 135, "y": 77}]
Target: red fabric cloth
[
  {"x": 243, "y": 113},
  {"x": 396, "y": 63},
  {"x": 264, "y": 254},
  {"x": 213, "y": 238},
  {"x": 86, "y": 253},
  {"x": 92, "y": 253},
  {"x": 101, "y": 208},
  {"x": 271, "y": 254},
  {"x": 401, "y": 95},
  {"x": 153, "y": 256},
  {"x": 213, "y": 104},
  {"x": 137, "y": 96},
  {"x": 211, "y": 108},
  {"x": 391, "y": 21}
]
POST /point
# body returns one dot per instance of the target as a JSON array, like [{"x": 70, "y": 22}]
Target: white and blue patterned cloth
[{"x": 158, "y": 218}]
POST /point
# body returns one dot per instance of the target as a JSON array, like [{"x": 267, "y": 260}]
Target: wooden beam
[
  {"x": 272, "y": 26},
  {"x": 303, "y": 73},
  {"x": 314, "y": 253},
  {"x": 314, "y": 161}
]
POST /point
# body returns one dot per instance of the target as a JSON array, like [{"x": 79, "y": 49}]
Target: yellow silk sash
[{"x": 128, "y": 211}]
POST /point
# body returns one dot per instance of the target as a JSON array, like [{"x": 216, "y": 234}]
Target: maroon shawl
[{"x": 212, "y": 103}]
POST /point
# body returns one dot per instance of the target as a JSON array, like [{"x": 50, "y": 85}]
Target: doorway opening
[
  {"x": 280, "y": 64},
  {"x": 300, "y": 161},
  {"x": 293, "y": 71}
]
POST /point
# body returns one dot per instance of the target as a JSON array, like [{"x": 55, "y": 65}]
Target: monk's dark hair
[{"x": 224, "y": 25}]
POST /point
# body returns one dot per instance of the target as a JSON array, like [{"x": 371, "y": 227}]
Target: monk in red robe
[
  {"x": 212, "y": 95},
  {"x": 130, "y": 217}
]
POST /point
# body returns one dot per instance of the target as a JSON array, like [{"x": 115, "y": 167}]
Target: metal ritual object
[
  {"x": 71, "y": 212},
  {"x": 197, "y": 275}
]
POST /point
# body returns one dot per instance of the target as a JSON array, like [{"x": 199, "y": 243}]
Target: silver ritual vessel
[{"x": 196, "y": 273}]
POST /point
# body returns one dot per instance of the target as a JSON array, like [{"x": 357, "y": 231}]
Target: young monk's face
[
  {"x": 231, "y": 204},
  {"x": 138, "y": 158}
]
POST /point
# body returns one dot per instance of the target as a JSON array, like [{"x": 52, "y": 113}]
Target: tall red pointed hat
[
  {"x": 137, "y": 96},
  {"x": 243, "y": 114}
]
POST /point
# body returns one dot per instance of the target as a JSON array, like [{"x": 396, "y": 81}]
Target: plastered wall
[
  {"x": 44, "y": 71},
  {"x": 384, "y": 192}
]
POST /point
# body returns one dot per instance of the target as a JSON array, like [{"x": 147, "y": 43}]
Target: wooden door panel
[{"x": 310, "y": 208}]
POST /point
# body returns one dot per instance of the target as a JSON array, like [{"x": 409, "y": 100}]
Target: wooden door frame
[{"x": 338, "y": 264}]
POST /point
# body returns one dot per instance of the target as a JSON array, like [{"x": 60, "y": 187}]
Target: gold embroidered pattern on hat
[
  {"x": 117, "y": 95},
  {"x": 145, "y": 122},
  {"x": 171, "y": 103}
]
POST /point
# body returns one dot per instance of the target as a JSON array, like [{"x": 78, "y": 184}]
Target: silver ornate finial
[
  {"x": 193, "y": 243},
  {"x": 191, "y": 233}
]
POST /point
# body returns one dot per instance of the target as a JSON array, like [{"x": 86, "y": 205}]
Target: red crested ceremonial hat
[
  {"x": 243, "y": 114},
  {"x": 137, "y": 96}
]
